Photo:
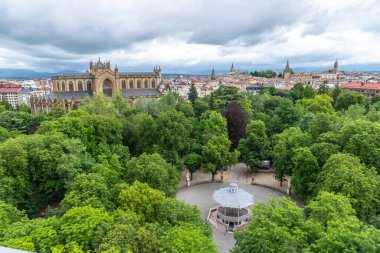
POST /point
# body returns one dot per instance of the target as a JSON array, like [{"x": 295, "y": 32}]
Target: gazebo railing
[{"x": 234, "y": 218}]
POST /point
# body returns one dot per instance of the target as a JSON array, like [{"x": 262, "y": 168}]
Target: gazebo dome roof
[{"x": 233, "y": 197}]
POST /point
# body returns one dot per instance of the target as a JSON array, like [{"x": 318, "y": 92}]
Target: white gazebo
[{"x": 233, "y": 210}]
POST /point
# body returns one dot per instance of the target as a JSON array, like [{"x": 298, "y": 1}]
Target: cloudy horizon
[{"x": 45, "y": 35}]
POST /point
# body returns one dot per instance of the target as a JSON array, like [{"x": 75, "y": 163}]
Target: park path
[{"x": 239, "y": 173}]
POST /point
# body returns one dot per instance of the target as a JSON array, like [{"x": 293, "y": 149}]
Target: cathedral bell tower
[
  {"x": 336, "y": 66},
  {"x": 213, "y": 77},
  {"x": 287, "y": 70}
]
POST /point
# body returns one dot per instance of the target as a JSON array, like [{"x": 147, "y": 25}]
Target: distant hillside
[
  {"x": 193, "y": 71},
  {"x": 27, "y": 74}
]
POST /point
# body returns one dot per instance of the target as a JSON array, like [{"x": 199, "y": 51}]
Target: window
[
  {"x": 63, "y": 86},
  {"x": 139, "y": 84},
  {"x": 107, "y": 87},
  {"x": 146, "y": 84},
  {"x": 80, "y": 86},
  {"x": 123, "y": 85},
  {"x": 153, "y": 83},
  {"x": 131, "y": 84},
  {"x": 89, "y": 85},
  {"x": 71, "y": 86}
]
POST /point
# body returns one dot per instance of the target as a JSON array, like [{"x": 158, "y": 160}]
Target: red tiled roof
[
  {"x": 365, "y": 86},
  {"x": 6, "y": 88}
]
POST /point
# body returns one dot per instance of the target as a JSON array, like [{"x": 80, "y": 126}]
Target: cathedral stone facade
[{"x": 99, "y": 79}]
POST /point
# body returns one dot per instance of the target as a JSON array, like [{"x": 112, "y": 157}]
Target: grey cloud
[
  {"x": 77, "y": 26},
  {"x": 63, "y": 33}
]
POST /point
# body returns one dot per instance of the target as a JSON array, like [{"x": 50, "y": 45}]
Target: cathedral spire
[
  {"x": 287, "y": 68},
  {"x": 213, "y": 74},
  {"x": 232, "y": 70},
  {"x": 287, "y": 71}
]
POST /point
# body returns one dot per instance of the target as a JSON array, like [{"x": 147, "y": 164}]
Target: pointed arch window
[
  {"x": 71, "y": 86},
  {"x": 89, "y": 85},
  {"x": 80, "y": 86},
  {"x": 131, "y": 84}
]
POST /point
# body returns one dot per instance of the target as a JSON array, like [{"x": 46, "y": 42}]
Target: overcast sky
[{"x": 48, "y": 35}]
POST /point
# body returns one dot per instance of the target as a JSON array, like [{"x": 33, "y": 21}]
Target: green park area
[{"x": 104, "y": 177}]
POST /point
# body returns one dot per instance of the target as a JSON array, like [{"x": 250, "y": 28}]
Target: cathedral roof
[
  {"x": 73, "y": 75},
  {"x": 137, "y": 74},
  {"x": 141, "y": 93},
  {"x": 68, "y": 95}
]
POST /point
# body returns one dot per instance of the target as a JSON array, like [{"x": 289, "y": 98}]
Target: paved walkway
[
  {"x": 201, "y": 196},
  {"x": 202, "y": 188},
  {"x": 240, "y": 174}
]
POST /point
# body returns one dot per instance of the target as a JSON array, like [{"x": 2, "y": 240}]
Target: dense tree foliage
[
  {"x": 331, "y": 226},
  {"x": 284, "y": 149},
  {"x": 101, "y": 178},
  {"x": 187, "y": 238},
  {"x": 153, "y": 170},
  {"x": 265, "y": 73},
  {"x": 343, "y": 173},
  {"x": 345, "y": 99}
]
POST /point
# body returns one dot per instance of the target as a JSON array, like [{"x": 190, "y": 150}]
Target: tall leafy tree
[
  {"x": 172, "y": 131},
  {"x": 362, "y": 139},
  {"x": 173, "y": 212},
  {"x": 323, "y": 88},
  {"x": 283, "y": 150},
  {"x": 300, "y": 91},
  {"x": 305, "y": 172},
  {"x": 54, "y": 161},
  {"x": 217, "y": 156},
  {"x": 85, "y": 226},
  {"x": 327, "y": 207},
  {"x": 343, "y": 173},
  {"x": 13, "y": 120},
  {"x": 8, "y": 215},
  {"x": 237, "y": 120},
  {"x": 142, "y": 200},
  {"x": 320, "y": 103},
  {"x": 348, "y": 98},
  {"x": 14, "y": 166},
  {"x": 138, "y": 133},
  {"x": 255, "y": 147},
  {"x": 129, "y": 234},
  {"x": 282, "y": 114},
  {"x": 320, "y": 123},
  {"x": 153, "y": 170},
  {"x": 323, "y": 150},
  {"x": 193, "y": 94},
  {"x": 211, "y": 124},
  {"x": 187, "y": 238},
  {"x": 193, "y": 162},
  {"x": 276, "y": 227},
  {"x": 88, "y": 189}
]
